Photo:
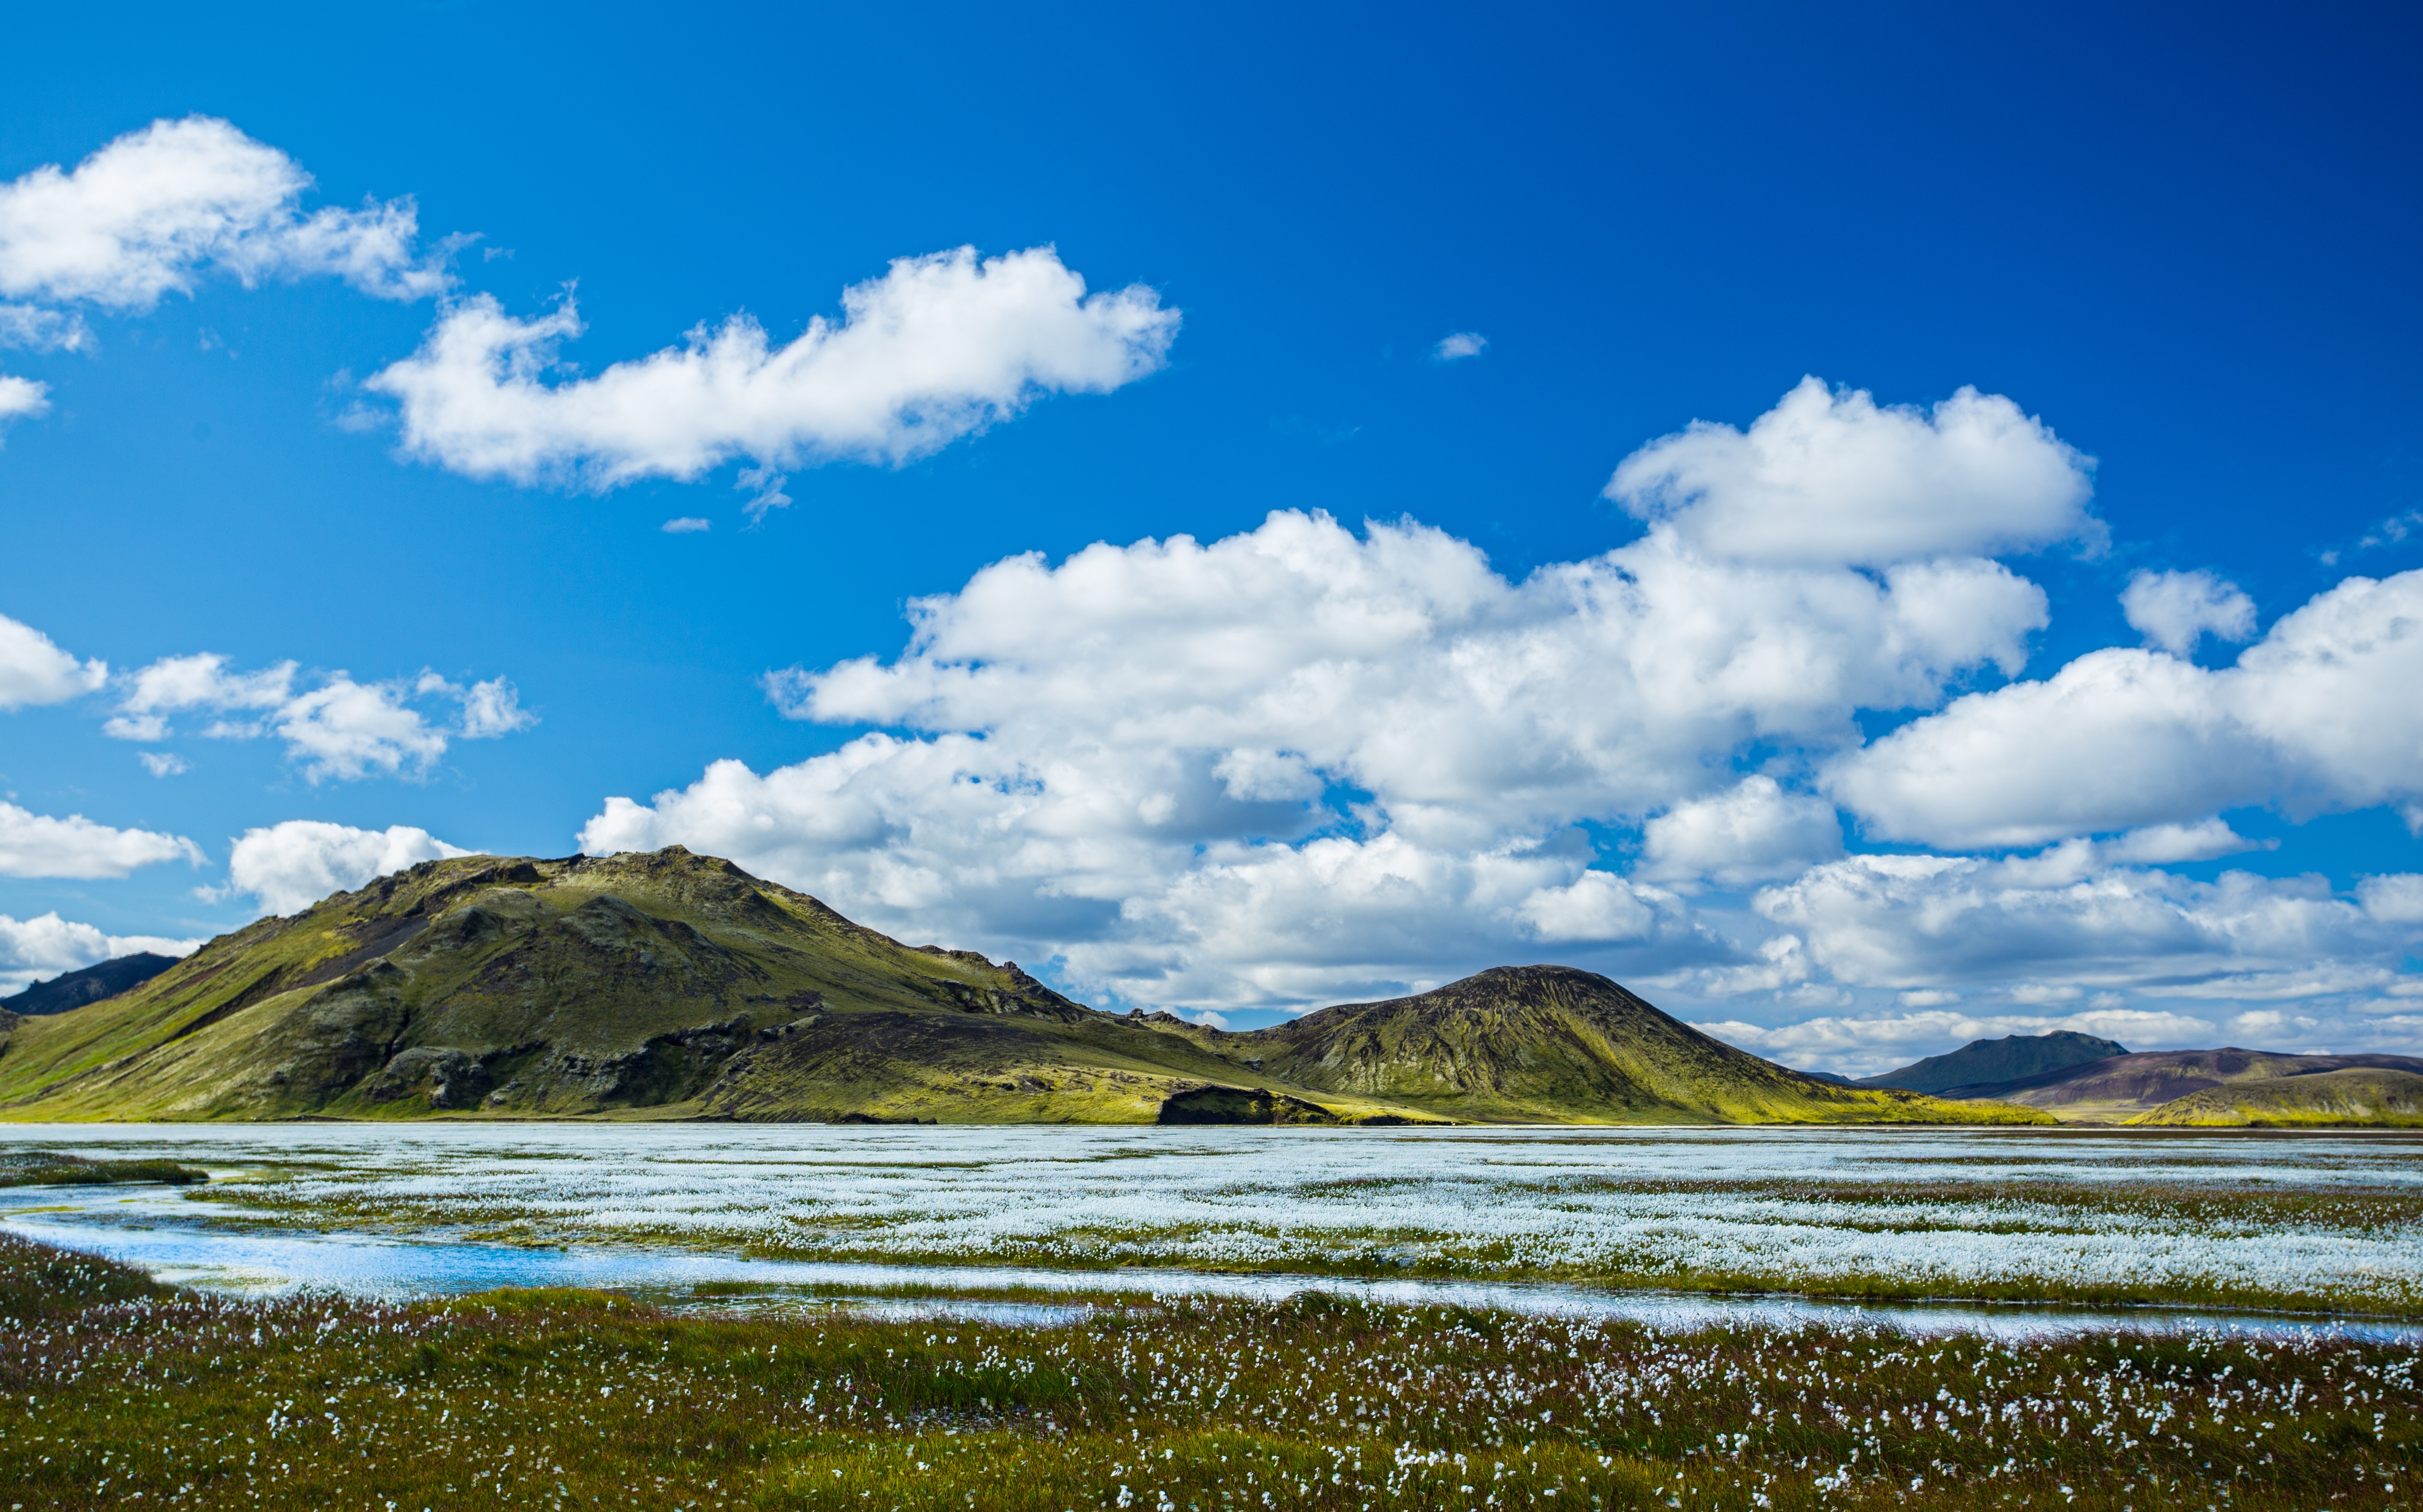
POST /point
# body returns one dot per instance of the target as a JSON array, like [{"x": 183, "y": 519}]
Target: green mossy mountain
[
  {"x": 674, "y": 985},
  {"x": 2132, "y": 1088},
  {"x": 1981, "y": 1062},
  {"x": 1537, "y": 1044},
  {"x": 2356, "y": 1097}
]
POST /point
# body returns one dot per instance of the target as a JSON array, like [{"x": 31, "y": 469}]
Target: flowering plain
[
  {"x": 117, "y": 1392},
  {"x": 2327, "y": 1223}
]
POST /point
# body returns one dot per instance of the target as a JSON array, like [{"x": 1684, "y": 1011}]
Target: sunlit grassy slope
[
  {"x": 669, "y": 985},
  {"x": 2135, "y": 1089},
  {"x": 2366, "y": 1096}
]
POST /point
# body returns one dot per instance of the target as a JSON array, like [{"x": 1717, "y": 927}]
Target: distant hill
[
  {"x": 1981, "y": 1062},
  {"x": 671, "y": 984},
  {"x": 2119, "y": 1089},
  {"x": 2367, "y": 1096},
  {"x": 1532, "y": 1043},
  {"x": 73, "y": 989}
]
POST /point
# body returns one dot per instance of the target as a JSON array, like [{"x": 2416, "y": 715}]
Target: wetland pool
[{"x": 1524, "y": 1219}]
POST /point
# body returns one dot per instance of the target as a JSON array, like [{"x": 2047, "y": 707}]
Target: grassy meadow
[{"x": 116, "y": 1391}]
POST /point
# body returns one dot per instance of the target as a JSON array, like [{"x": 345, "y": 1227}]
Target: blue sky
[{"x": 2175, "y": 241}]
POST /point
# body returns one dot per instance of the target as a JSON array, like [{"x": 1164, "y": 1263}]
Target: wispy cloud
[{"x": 335, "y": 728}]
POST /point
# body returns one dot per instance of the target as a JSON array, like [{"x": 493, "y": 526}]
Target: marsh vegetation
[{"x": 115, "y": 1387}]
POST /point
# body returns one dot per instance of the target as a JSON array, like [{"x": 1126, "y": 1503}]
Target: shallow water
[
  {"x": 169, "y": 1239},
  {"x": 661, "y": 1210}
]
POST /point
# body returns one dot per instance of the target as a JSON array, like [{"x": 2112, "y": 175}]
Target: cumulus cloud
[
  {"x": 687, "y": 525},
  {"x": 2064, "y": 920},
  {"x": 340, "y": 728},
  {"x": 2317, "y": 716},
  {"x": 1834, "y": 478},
  {"x": 2175, "y": 610},
  {"x": 33, "y": 844},
  {"x": 1595, "y": 907},
  {"x": 33, "y": 670},
  {"x": 1867, "y": 1045},
  {"x": 288, "y": 867},
  {"x": 2396, "y": 899},
  {"x": 1297, "y": 760},
  {"x": 1460, "y": 344},
  {"x": 48, "y": 945},
  {"x": 938, "y": 348},
  {"x": 21, "y": 397},
  {"x": 1754, "y": 832},
  {"x": 1301, "y": 763},
  {"x": 156, "y": 210}
]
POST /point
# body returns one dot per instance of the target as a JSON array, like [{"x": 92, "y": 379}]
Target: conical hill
[{"x": 1538, "y": 1043}]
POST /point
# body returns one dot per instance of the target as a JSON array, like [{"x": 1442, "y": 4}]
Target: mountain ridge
[
  {"x": 669, "y": 984},
  {"x": 2351, "y": 1096},
  {"x": 92, "y": 984},
  {"x": 2008, "y": 1058},
  {"x": 2129, "y": 1088}
]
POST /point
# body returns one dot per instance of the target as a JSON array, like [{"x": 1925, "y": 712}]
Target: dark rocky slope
[
  {"x": 2007, "y": 1058},
  {"x": 73, "y": 989}
]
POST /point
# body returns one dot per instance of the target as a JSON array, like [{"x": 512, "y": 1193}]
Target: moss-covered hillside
[
  {"x": 2127, "y": 1088},
  {"x": 669, "y": 985},
  {"x": 1545, "y": 1043},
  {"x": 2361, "y": 1096}
]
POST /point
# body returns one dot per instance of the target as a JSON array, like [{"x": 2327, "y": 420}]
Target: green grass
[
  {"x": 55, "y": 1168},
  {"x": 110, "y": 1388}
]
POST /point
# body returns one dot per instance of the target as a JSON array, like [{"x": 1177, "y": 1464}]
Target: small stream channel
[{"x": 173, "y": 1237}]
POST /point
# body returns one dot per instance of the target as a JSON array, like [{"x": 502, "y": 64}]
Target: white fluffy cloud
[
  {"x": 2073, "y": 938},
  {"x": 48, "y": 945},
  {"x": 33, "y": 670},
  {"x": 21, "y": 397},
  {"x": 1827, "y": 478},
  {"x": 938, "y": 348},
  {"x": 34, "y": 844},
  {"x": 340, "y": 728},
  {"x": 1460, "y": 344},
  {"x": 1868, "y": 1043},
  {"x": 156, "y": 210},
  {"x": 1751, "y": 833},
  {"x": 2175, "y": 610},
  {"x": 288, "y": 867},
  {"x": 1296, "y": 762},
  {"x": 2318, "y": 714},
  {"x": 1299, "y": 765},
  {"x": 2067, "y": 921},
  {"x": 2395, "y": 899}
]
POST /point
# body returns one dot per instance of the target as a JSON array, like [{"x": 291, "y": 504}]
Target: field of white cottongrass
[
  {"x": 2324, "y": 1221},
  {"x": 118, "y": 1392}
]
